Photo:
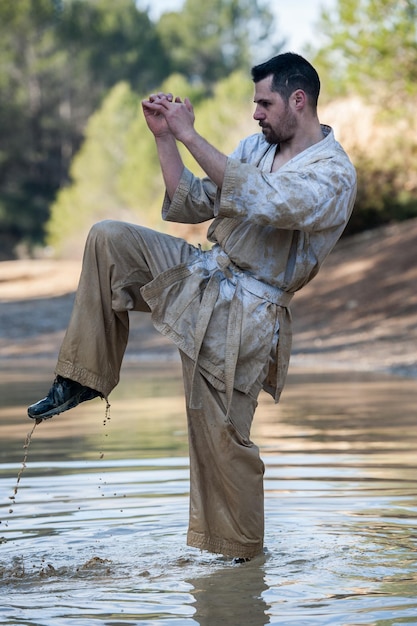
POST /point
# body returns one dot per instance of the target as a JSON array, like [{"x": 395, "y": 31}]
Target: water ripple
[{"x": 101, "y": 541}]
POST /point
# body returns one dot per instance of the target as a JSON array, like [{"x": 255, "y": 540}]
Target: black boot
[{"x": 63, "y": 395}]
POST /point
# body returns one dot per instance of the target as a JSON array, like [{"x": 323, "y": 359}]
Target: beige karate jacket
[{"x": 227, "y": 308}]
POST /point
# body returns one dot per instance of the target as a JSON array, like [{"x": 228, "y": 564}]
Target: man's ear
[{"x": 299, "y": 99}]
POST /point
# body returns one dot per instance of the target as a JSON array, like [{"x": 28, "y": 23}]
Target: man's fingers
[{"x": 160, "y": 96}]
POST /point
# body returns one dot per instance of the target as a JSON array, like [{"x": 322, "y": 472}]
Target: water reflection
[
  {"x": 232, "y": 595},
  {"x": 107, "y": 504}
]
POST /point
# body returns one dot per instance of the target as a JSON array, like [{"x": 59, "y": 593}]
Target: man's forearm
[
  {"x": 212, "y": 161},
  {"x": 171, "y": 163},
  {"x": 179, "y": 117}
]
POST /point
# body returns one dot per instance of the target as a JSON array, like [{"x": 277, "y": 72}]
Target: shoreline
[{"x": 359, "y": 313}]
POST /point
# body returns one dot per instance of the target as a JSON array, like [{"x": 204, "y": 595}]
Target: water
[{"x": 97, "y": 532}]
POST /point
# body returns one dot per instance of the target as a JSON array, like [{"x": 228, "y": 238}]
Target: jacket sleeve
[
  {"x": 315, "y": 196},
  {"x": 193, "y": 201},
  {"x": 196, "y": 199}
]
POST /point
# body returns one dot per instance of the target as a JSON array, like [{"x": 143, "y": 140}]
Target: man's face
[{"x": 275, "y": 117}]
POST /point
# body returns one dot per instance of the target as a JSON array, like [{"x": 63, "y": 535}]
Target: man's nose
[{"x": 258, "y": 115}]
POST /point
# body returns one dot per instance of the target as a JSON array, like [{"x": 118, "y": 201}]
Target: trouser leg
[
  {"x": 226, "y": 472},
  {"x": 119, "y": 258}
]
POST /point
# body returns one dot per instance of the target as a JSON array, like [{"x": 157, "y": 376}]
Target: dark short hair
[{"x": 289, "y": 72}]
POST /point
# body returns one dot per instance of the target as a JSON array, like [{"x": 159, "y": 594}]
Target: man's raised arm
[
  {"x": 179, "y": 121},
  {"x": 169, "y": 157}
]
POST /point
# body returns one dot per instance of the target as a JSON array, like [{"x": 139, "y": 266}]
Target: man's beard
[
  {"x": 284, "y": 133},
  {"x": 270, "y": 135}
]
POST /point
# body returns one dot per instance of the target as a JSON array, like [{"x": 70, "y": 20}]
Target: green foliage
[
  {"x": 227, "y": 117},
  {"x": 387, "y": 184},
  {"x": 209, "y": 40},
  {"x": 115, "y": 42},
  {"x": 116, "y": 173},
  {"x": 29, "y": 146},
  {"x": 63, "y": 61},
  {"x": 370, "y": 47},
  {"x": 95, "y": 171},
  {"x": 58, "y": 59},
  {"x": 139, "y": 180}
]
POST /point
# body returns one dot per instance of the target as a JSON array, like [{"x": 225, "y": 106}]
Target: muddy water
[{"x": 97, "y": 529}]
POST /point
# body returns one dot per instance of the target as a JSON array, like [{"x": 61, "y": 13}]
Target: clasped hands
[{"x": 166, "y": 115}]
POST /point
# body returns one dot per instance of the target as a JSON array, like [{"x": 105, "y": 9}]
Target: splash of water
[
  {"x": 106, "y": 419},
  {"x": 23, "y": 466}
]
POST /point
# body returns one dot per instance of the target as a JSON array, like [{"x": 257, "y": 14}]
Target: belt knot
[{"x": 224, "y": 263}]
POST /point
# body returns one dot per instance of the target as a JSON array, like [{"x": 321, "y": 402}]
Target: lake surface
[{"x": 96, "y": 531}]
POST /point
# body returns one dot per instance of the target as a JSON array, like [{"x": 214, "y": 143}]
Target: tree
[
  {"x": 116, "y": 172},
  {"x": 370, "y": 47},
  {"x": 368, "y": 55},
  {"x": 28, "y": 149},
  {"x": 115, "y": 42},
  {"x": 94, "y": 172},
  {"x": 58, "y": 59},
  {"x": 209, "y": 40}
]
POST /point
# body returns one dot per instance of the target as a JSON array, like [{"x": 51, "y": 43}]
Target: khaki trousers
[{"x": 226, "y": 472}]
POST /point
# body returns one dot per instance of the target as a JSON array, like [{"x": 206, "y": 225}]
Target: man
[{"x": 279, "y": 202}]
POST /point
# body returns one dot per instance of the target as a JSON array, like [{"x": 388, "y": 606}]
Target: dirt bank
[{"x": 359, "y": 313}]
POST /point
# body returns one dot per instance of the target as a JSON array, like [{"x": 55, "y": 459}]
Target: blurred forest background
[{"x": 75, "y": 149}]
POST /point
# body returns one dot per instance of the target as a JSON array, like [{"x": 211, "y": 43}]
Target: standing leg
[{"x": 226, "y": 472}]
